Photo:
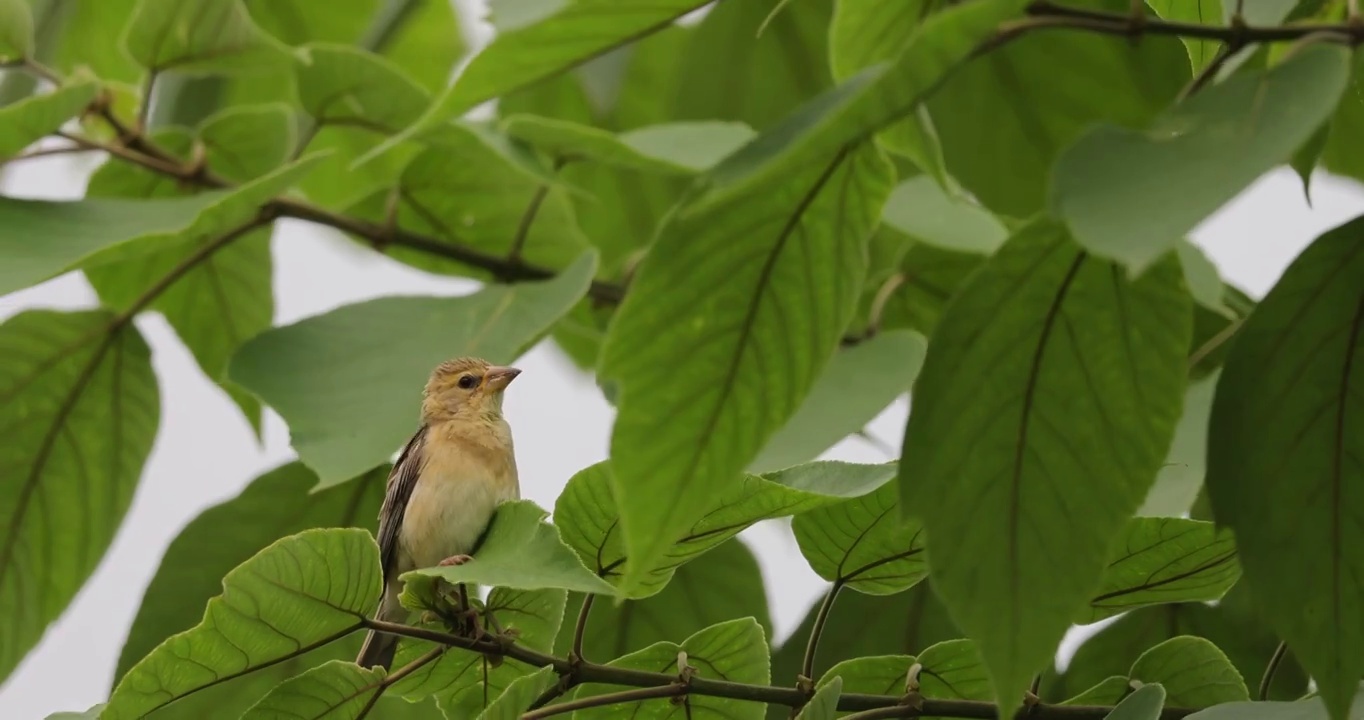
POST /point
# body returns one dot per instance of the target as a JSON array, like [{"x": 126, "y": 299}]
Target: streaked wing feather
[{"x": 401, "y": 480}]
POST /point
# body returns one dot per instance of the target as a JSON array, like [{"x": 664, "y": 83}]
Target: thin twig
[
  {"x": 581, "y": 628},
  {"x": 397, "y": 675},
  {"x": 1210, "y": 70},
  {"x": 527, "y": 219},
  {"x": 616, "y": 698},
  {"x": 807, "y": 666},
  {"x": 45, "y": 152},
  {"x": 1215, "y": 342},
  {"x": 1268, "y": 678}
]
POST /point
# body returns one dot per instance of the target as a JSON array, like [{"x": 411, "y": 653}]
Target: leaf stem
[
  {"x": 397, "y": 675},
  {"x": 807, "y": 666},
  {"x": 581, "y": 628},
  {"x": 527, "y": 219},
  {"x": 1270, "y": 669},
  {"x": 615, "y": 698}
]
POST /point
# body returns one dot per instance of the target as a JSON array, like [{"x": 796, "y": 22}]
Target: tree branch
[{"x": 1044, "y": 13}]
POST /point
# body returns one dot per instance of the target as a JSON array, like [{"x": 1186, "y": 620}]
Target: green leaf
[
  {"x": 1193, "y": 671},
  {"x": 301, "y": 592},
  {"x": 865, "y": 102},
  {"x": 245, "y": 143},
  {"x": 344, "y": 85},
  {"x": 1201, "y": 52},
  {"x": 549, "y": 43},
  {"x": 735, "y": 651},
  {"x": 863, "y": 543},
  {"x": 1144, "y": 704},
  {"x": 824, "y": 704},
  {"x": 1204, "y": 279},
  {"x": 16, "y": 31},
  {"x": 920, "y": 209},
  {"x": 349, "y": 382},
  {"x": 1105, "y": 184},
  {"x": 520, "y": 551},
  {"x": 520, "y": 695},
  {"x": 863, "y": 34},
  {"x": 1023, "y": 480},
  {"x": 200, "y": 37},
  {"x": 586, "y": 513},
  {"x": 1021, "y": 105},
  {"x": 91, "y": 714},
  {"x": 78, "y": 409},
  {"x": 1110, "y": 691},
  {"x": 857, "y": 384},
  {"x": 954, "y": 669},
  {"x": 31, "y": 119},
  {"x": 535, "y": 615},
  {"x": 931, "y": 278},
  {"x": 1342, "y": 154},
  {"x": 682, "y": 437},
  {"x": 276, "y": 504},
  {"x": 723, "y": 584},
  {"x": 1285, "y": 408},
  {"x": 877, "y": 675},
  {"x": 673, "y": 148},
  {"x": 337, "y": 690},
  {"x": 1181, "y": 477},
  {"x": 1309, "y": 709},
  {"x": 1164, "y": 560}
]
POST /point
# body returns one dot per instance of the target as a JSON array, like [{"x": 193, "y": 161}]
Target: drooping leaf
[
  {"x": 857, "y": 384},
  {"x": 79, "y": 409},
  {"x": 864, "y": 543},
  {"x": 31, "y": 119},
  {"x": 920, "y": 209},
  {"x": 1181, "y": 476},
  {"x": 301, "y": 592},
  {"x": 520, "y": 695},
  {"x": 1201, "y": 52},
  {"x": 1103, "y": 185},
  {"x": 733, "y": 309},
  {"x": 520, "y": 551},
  {"x": 1027, "y": 449},
  {"x": 824, "y": 704},
  {"x": 1144, "y": 704},
  {"x": 16, "y": 31},
  {"x": 200, "y": 36},
  {"x": 1311, "y": 708},
  {"x": 1164, "y": 560},
  {"x": 337, "y": 689},
  {"x": 587, "y": 514},
  {"x": 875, "y": 675},
  {"x": 344, "y": 85},
  {"x": 673, "y": 148},
  {"x": 1109, "y": 691},
  {"x": 245, "y": 143},
  {"x": 1194, "y": 672},
  {"x": 954, "y": 669},
  {"x": 1283, "y": 458},
  {"x": 361, "y": 368}
]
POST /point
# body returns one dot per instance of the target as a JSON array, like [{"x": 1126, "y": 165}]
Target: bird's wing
[{"x": 401, "y": 480}]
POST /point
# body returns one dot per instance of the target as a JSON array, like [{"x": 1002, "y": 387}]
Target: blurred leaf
[
  {"x": 520, "y": 695},
  {"x": 920, "y": 209},
  {"x": 301, "y": 592},
  {"x": 349, "y": 382},
  {"x": 1106, "y": 185},
  {"x": 1202, "y": 276},
  {"x": 673, "y": 148},
  {"x": 200, "y": 36},
  {"x": 520, "y": 551},
  {"x": 1287, "y": 399},
  {"x": 735, "y": 651},
  {"x": 1193, "y": 671},
  {"x": 1144, "y": 704},
  {"x": 1201, "y": 52},
  {"x": 733, "y": 308},
  {"x": 31, "y": 119},
  {"x": 1164, "y": 560},
  {"x": 931, "y": 277},
  {"x": 79, "y": 409},
  {"x": 1021, "y": 105},
  {"x": 87, "y": 34},
  {"x": 587, "y": 516},
  {"x": 1343, "y": 153},
  {"x": 824, "y": 704},
  {"x": 863, "y": 543},
  {"x": 1091, "y": 393},
  {"x": 344, "y": 85},
  {"x": 274, "y": 505},
  {"x": 1109, "y": 691},
  {"x": 245, "y": 143},
  {"x": 1181, "y": 477},
  {"x": 723, "y": 584},
  {"x": 857, "y": 384},
  {"x": 16, "y": 31},
  {"x": 1308, "y": 709}
]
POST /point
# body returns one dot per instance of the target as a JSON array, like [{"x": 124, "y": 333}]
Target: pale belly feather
[{"x": 448, "y": 512}]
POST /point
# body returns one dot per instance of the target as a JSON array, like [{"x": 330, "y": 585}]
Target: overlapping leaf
[
  {"x": 1283, "y": 458},
  {"x": 1194, "y": 672},
  {"x": 31, "y": 119},
  {"x": 864, "y": 543},
  {"x": 1046, "y": 404},
  {"x": 824, "y": 704},
  {"x": 1144, "y": 704},
  {"x": 1164, "y": 560},
  {"x": 1181, "y": 476},
  {"x": 362, "y": 367},
  {"x": 199, "y": 36},
  {"x": 673, "y": 148},
  {"x": 79, "y": 408},
  {"x": 16, "y": 29}
]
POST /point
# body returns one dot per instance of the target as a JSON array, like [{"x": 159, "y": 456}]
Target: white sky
[{"x": 205, "y": 452}]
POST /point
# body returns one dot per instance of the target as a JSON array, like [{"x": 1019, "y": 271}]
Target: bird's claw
[{"x": 454, "y": 561}]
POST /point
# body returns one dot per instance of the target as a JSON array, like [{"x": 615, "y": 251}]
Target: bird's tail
[{"x": 380, "y": 647}]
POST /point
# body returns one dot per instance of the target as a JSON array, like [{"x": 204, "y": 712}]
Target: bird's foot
[{"x": 455, "y": 560}]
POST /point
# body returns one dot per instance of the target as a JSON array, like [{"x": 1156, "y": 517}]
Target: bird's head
[{"x": 466, "y": 388}]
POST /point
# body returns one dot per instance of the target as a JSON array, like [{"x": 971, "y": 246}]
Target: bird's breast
[{"x": 452, "y": 502}]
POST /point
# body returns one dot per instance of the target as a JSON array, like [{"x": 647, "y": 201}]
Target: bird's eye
[{"x": 467, "y": 381}]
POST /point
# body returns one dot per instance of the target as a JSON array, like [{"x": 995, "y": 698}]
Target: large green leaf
[
  {"x": 864, "y": 543},
  {"x": 954, "y": 669},
  {"x": 857, "y": 384},
  {"x": 78, "y": 409},
  {"x": 735, "y": 651},
  {"x": 920, "y": 209},
  {"x": 301, "y": 592},
  {"x": 723, "y": 584},
  {"x": 824, "y": 704},
  {"x": 349, "y": 382},
  {"x": 587, "y": 514},
  {"x": 337, "y": 689},
  {"x": 16, "y": 30},
  {"x": 1194, "y": 672},
  {"x": 1164, "y": 560},
  {"x": 520, "y": 551},
  {"x": 1283, "y": 458},
  {"x": 696, "y": 405},
  {"x": 276, "y": 504},
  {"x": 1045, "y": 406},
  {"x": 1128, "y": 195},
  {"x": 1019, "y": 106},
  {"x": 199, "y": 36},
  {"x": 31, "y": 119}
]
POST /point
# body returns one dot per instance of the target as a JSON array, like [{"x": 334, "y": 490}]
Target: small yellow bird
[{"x": 448, "y": 480}]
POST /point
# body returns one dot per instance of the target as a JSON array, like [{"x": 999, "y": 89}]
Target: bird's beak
[{"x": 499, "y": 377}]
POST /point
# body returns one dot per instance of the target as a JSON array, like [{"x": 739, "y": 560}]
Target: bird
[{"x": 449, "y": 479}]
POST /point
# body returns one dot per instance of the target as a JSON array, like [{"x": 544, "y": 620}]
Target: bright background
[{"x": 205, "y": 452}]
